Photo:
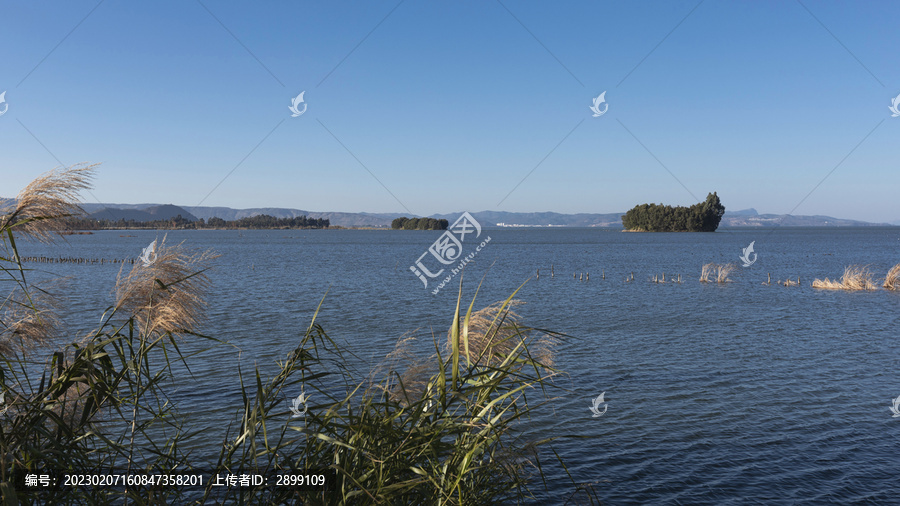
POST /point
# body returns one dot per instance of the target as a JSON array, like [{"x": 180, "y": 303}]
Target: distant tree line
[
  {"x": 178, "y": 222},
  {"x": 701, "y": 217},
  {"x": 405, "y": 223}
]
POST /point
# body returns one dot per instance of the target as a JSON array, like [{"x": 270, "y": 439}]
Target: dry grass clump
[
  {"x": 827, "y": 284},
  {"x": 410, "y": 384},
  {"x": 892, "y": 281},
  {"x": 855, "y": 278},
  {"x": 722, "y": 272},
  {"x": 719, "y": 272},
  {"x": 494, "y": 334},
  {"x": 169, "y": 294},
  {"x": 706, "y": 272},
  {"x": 27, "y": 320},
  {"x": 40, "y": 207}
]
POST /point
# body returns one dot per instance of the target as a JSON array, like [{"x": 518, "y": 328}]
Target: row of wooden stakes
[
  {"x": 75, "y": 260},
  {"x": 586, "y": 276},
  {"x": 657, "y": 279}
]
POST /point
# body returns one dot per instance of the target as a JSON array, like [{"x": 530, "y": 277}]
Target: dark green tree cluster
[
  {"x": 701, "y": 217},
  {"x": 419, "y": 224},
  {"x": 266, "y": 221},
  {"x": 178, "y": 222}
]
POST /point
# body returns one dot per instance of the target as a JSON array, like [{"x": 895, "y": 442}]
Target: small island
[
  {"x": 405, "y": 223},
  {"x": 701, "y": 217}
]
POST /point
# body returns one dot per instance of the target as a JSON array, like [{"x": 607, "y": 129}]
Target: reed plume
[
  {"x": 494, "y": 334},
  {"x": 41, "y": 207},
  {"x": 855, "y": 278},
  {"x": 169, "y": 294},
  {"x": 706, "y": 272},
  {"x": 28, "y": 319},
  {"x": 722, "y": 272},
  {"x": 719, "y": 271},
  {"x": 892, "y": 281},
  {"x": 409, "y": 385}
]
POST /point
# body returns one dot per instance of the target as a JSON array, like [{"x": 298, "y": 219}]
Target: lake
[{"x": 717, "y": 393}]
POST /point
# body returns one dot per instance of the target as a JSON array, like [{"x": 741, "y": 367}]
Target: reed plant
[
  {"x": 447, "y": 428},
  {"x": 855, "y": 278},
  {"x": 707, "y": 271},
  {"x": 892, "y": 280},
  {"x": 97, "y": 403},
  {"x": 717, "y": 272},
  {"x": 722, "y": 272}
]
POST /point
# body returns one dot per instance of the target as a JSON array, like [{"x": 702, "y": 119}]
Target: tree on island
[
  {"x": 263, "y": 221},
  {"x": 701, "y": 217},
  {"x": 405, "y": 223}
]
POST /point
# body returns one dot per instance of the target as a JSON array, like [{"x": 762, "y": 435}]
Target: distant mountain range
[
  {"x": 156, "y": 212},
  {"x": 491, "y": 219},
  {"x": 137, "y": 213}
]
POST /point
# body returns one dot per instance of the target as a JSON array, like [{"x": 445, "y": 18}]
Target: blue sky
[{"x": 451, "y": 105}]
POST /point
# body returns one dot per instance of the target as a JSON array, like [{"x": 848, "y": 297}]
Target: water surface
[{"x": 716, "y": 393}]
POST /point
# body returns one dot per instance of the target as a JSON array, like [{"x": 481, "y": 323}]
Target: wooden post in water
[{"x": 538, "y": 274}]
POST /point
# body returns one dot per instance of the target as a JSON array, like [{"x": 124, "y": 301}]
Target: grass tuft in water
[
  {"x": 716, "y": 272},
  {"x": 892, "y": 280},
  {"x": 855, "y": 278}
]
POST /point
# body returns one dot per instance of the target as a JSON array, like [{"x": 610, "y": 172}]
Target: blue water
[{"x": 716, "y": 394}]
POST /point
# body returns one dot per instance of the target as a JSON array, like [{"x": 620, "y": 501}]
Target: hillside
[{"x": 490, "y": 219}]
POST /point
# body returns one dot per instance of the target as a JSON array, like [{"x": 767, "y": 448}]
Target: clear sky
[{"x": 438, "y": 107}]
